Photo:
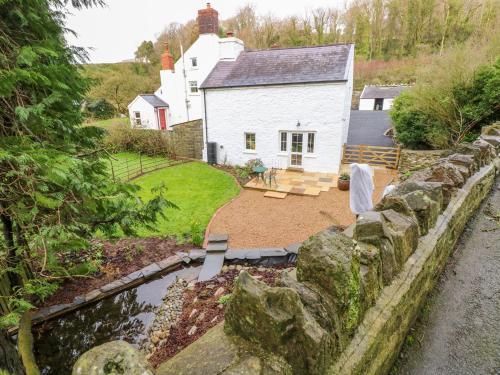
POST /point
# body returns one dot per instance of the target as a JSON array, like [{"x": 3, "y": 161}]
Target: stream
[{"x": 125, "y": 316}]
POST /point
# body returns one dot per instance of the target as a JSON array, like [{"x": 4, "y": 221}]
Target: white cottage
[
  {"x": 290, "y": 107},
  {"x": 379, "y": 98},
  {"x": 148, "y": 111},
  {"x": 180, "y": 81}
]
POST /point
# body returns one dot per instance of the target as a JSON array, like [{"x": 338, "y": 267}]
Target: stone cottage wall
[
  {"x": 188, "y": 139},
  {"x": 353, "y": 298}
]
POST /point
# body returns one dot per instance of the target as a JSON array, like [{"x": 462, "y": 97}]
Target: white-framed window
[
  {"x": 283, "y": 141},
  {"x": 249, "y": 141},
  {"x": 310, "y": 142},
  {"x": 194, "y": 62},
  {"x": 137, "y": 118},
  {"x": 193, "y": 87}
]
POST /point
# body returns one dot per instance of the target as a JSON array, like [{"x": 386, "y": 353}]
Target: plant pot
[{"x": 343, "y": 184}]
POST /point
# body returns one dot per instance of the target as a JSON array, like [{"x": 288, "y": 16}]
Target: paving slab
[
  {"x": 275, "y": 194},
  {"x": 169, "y": 262},
  {"x": 216, "y": 246},
  {"x": 212, "y": 266},
  {"x": 197, "y": 254},
  {"x": 273, "y": 252},
  {"x": 150, "y": 270},
  {"x": 215, "y": 237}
]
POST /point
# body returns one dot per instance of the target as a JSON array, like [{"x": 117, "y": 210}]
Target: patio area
[
  {"x": 294, "y": 182},
  {"x": 252, "y": 220}
]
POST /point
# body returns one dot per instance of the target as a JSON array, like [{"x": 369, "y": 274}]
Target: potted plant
[{"x": 343, "y": 181}]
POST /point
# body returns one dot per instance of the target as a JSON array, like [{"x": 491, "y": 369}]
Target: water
[{"x": 125, "y": 316}]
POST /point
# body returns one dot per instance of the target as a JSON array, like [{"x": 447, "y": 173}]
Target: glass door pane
[{"x": 296, "y": 149}]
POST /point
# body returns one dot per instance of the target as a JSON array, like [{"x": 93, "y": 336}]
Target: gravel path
[
  {"x": 459, "y": 332},
  {"x": 252, "y": 220}
]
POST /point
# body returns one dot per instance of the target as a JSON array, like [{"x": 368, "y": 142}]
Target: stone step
[
  {"x": 217, "y": 238},
  {"x": 275, "y": 194},
  {"x": 212, "y": 266},
  {"x": 216, "y": 247}
]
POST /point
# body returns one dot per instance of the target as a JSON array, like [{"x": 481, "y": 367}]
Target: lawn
[{"x": 196, "y": 188}]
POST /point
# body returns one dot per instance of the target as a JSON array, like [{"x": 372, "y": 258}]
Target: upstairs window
[
  {"x": 250, "y": 141},
  {"x": 194, "y": 62},
  {"x": 193, "y": 87}
]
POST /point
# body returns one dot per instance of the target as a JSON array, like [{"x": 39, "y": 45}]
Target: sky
[{"x": 112, "y": 34}]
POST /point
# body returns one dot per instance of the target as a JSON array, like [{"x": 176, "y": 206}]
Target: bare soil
[
  {"x": 120, "y": 258},
  {"x": 209, "y": 310},
  {"x": 252, "y": 220},
  {"x": 232, "y": 171}
]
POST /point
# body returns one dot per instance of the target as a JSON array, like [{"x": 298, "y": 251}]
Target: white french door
[{"x": 297, "y": 149}]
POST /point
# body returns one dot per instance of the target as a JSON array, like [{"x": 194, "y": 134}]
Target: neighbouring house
[
  {"x": 180, "y": 81},
  {"x": 379, "y": 98},
  {"x": 372, "y": 128},
  {"x": 148, "y": 111},
  {"x": 289, "y": 107}
]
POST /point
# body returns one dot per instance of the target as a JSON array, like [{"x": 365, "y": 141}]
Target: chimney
[
  {"x": 167, "y": 60},
  {"x": 208, "y": 20},
  {"x": 230, "y": 34}
]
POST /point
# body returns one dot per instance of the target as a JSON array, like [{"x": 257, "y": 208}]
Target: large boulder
[
  {"x": 331, "y": 262},
  {"x": 275, "y": 318},
  {"x": 369, "y": 230},
  {"x": 426, "y": 209},
  {"x": 115, "y": 357},
  {"x": 403, "y": 233},
  {"x": 488, "y": 152},
  {"x": 446, "y": 173}
]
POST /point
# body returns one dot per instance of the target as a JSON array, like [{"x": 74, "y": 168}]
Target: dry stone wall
[
  {"x": 314, "y": 318},
  {"x": 188, "y": 139}
]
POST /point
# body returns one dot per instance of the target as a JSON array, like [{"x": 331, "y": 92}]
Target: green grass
[
  {"x": 112, "y": 122},
  {"x": 196, "y": 188}
]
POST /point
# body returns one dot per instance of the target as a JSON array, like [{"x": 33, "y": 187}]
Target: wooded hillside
[{"x": 392, "y": 38}]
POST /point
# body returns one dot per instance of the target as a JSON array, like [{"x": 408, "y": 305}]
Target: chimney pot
[
  {"x": 167, "y": 60},
  {"x": 208, "y": 6},
  {"x": 275, "y": 45},
  {"x": 230, "y": 34}
]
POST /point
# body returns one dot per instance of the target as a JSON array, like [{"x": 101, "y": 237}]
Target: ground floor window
[
  {"x": 283, "y": 141},
  {"x": 310, "y": 143},
  {"x": 137, "y": 118},
  {"x": 250, "y": 141}
]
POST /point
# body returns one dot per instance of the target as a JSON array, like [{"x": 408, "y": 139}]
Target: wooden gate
[{"x": 372, "y": 155}]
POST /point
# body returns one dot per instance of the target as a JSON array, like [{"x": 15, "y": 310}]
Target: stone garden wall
[
  {"x": 347, "y": 307},
  {"x": 188, "y": 139}
]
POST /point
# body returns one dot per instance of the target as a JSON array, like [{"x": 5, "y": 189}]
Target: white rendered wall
[
  {"x": 149, "y": 117},
  {"x": 366, "y": 104},
  {"x": 387, "y": 104},
  {"x": 267, "y": 110},
  {"x": 346, "y": 117},
  {"x": 174, "y": 88}
]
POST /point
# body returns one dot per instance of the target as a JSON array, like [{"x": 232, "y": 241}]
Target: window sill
[{"x": 249, "y": 151}]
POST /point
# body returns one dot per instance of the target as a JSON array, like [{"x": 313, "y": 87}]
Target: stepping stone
[
  {"x": 218, "y": 237},
  {"x": 275, "y": 194},
  {"x": 216, "y": 246},
  {"x": 212, "y": 266},
  {"x": 293, "y": 248}
]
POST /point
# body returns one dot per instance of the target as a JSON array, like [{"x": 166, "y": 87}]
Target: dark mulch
[
  {"x": 202, "y": 299},
  {"x": 232, "y": 171},
  {"x": 120, "y": 258}
]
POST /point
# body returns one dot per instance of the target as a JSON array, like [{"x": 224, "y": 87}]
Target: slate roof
[
  {"x": 154, "y": 100},
  {"x": 277, "y": 66},
  {"x": 383, "y": 92},
  {"x": 368, "y": 128}
]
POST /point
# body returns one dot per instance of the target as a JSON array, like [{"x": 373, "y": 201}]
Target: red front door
[{"x": 163, "y": 118}]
